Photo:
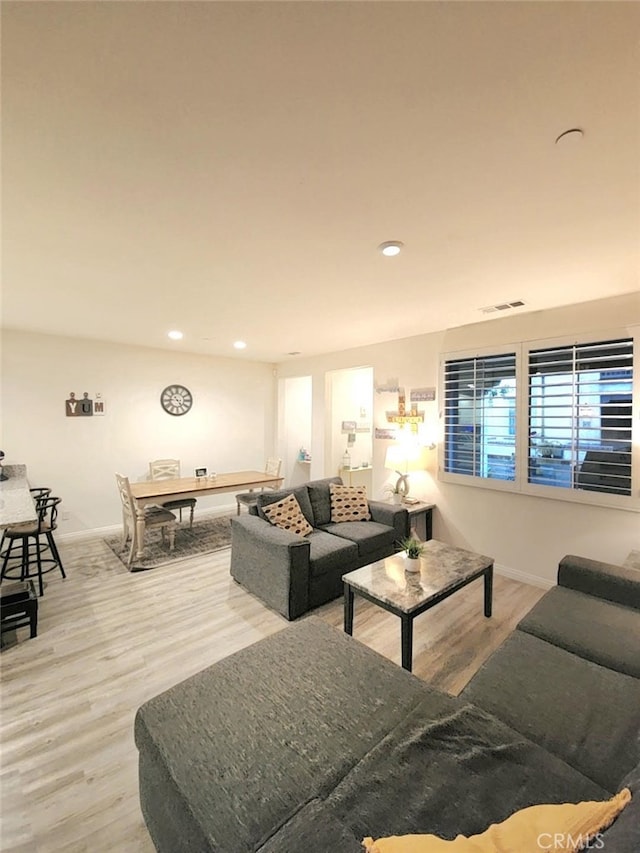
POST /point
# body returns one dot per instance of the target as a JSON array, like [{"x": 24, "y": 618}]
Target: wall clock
[{"x": 176, "y": 399}]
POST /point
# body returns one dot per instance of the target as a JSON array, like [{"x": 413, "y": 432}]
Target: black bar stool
[
  {"x": 34, "y": 537},
  {"x": 37, "y": 493},
  {"x": 19, "y": 608}
]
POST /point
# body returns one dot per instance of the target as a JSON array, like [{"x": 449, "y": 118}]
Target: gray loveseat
[
  {"x": 293, "y": 574},
  {"x": 307, "y": 740}
]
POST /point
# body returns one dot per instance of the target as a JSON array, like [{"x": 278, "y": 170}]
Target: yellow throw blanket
[{"x": 563, "y": 828}]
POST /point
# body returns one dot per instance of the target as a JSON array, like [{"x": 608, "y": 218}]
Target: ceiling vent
[{"x": 503, "y": 306}]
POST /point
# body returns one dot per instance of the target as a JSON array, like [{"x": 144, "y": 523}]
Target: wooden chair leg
[
  {"x": 172, "y": 537},
  {"x": 191, "y": 517}
]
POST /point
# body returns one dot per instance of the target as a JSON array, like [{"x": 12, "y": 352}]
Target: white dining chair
[
  {"x": 169, "y": 469},
  {"x": 271, "y": 469},
  {"x": 153, "y": 516}
]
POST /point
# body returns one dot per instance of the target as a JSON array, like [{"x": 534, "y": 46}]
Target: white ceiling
[{"x": 229, "y": 169}]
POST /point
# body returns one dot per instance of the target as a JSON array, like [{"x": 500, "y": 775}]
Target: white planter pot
[
  {"x": 412, "y": 564},
  {"x": 396, "y": 499}
]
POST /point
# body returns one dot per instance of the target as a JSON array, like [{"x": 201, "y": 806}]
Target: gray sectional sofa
[
  {"x": 293, "y": 574},
  {"x": 307, "y": 740}
]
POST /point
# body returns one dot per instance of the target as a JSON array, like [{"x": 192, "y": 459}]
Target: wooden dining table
[{"x": 158, "y": 491}]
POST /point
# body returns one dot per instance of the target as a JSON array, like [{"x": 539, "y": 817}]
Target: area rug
[{"x": 207, "y": 534}]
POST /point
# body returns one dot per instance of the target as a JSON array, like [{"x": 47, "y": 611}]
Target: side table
[
  {"x": 421, "y": 520},
  {"x": 18, "y": 607}
]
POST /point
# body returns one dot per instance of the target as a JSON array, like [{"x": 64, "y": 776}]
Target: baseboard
[
  {"x": 115, "y": 529},
  {"x": 523, "y": 577}
]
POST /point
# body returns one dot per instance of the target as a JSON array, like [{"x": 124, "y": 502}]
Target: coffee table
[{"x": 443, "y": 571}]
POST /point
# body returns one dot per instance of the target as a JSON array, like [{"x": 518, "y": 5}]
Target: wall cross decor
[{"x": 402, "y": 418}]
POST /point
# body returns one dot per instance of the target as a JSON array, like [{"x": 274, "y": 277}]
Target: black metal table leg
[
  {"x": 488, "y": 591},
  {"x": 407, "y": 641},
  {"x": 348, "y": 609}
]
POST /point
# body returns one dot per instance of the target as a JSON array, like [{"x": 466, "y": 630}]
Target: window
[
  {"x": 580, "y": 417},
  {"x": 480, "y": 416},
  {"x": 553, "y": 421}
]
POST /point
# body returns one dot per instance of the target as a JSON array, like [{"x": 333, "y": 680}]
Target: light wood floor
[{"x": 108, "y": 640}]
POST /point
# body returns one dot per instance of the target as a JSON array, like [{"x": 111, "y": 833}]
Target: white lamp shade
[{"x": 404, "y": 458}]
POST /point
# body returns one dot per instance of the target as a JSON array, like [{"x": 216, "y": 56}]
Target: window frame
[{"x": 520, "y": 484}]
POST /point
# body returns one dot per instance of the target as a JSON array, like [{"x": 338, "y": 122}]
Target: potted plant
[
  {"x": 412, "y": 548},
  {"x": 394, "y": 491}
]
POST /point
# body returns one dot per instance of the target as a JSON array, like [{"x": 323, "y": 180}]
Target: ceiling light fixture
[
  {"x": 391, "y": 248},
  {"x": 240, "y": 345},
  {"x": 175, "y": 335},
  {"x": 571, "y": 135}
]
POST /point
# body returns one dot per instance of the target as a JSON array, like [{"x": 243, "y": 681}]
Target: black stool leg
[
  {"x": 33, "y": 618},
  {"x": 24, "y": 573},
  {"x": 39, "y": 565},
  {"x": 55, "y": 552},
  {"x": 6, "y": 558}
]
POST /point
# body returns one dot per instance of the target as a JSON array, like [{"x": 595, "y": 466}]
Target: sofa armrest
[
  {"x": 271, "y": 563},
  {"x": 395, "y": 516},
  {"x": 602, "y": 580}
]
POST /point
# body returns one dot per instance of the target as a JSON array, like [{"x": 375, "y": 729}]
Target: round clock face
[{"x": 176, "y": 399}]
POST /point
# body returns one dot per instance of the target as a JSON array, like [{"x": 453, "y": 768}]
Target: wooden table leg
[
  {"x": 348, "y": 609},
  {"x": 407, "y": 641},
  {"x": 140, "y": 525},
  {"x": 488, "y": 591}
]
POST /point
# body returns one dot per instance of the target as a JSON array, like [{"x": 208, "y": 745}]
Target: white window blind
[
  {"x": 580, "y": 416},
  {"x": 480, "y": 421}
]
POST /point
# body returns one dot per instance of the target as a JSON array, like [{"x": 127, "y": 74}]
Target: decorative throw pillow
[
  {"x": 349, "y": 503},
  {"x": 567, "y": 827},
  {"x": 288, "y": 515}
]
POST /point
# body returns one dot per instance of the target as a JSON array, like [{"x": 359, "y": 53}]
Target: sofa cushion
[
  {"x": 321, "y": 499},
  {"x": 590, "y": 627},
  {"x": 582, "y": 712},
  {"x": 287, "y": 515},
  {"x": 300, "y": 493},
  {"x": 313, "y": 828},
  {"x": 624, "y": 835},
  {"x": 348, "y": 503},
  {"x": 450, "y": 770},
  {"x": 228, "y": 756},
  {"x": 532, "y": 828},
  {"x": 330, "y": 553},
  {"x": 369, "y": 536}
]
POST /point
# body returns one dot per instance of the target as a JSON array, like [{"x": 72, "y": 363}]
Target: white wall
[
  {"x": 351, "y": 392},
  {"x": 294, "y": 427},
  {"x": 526, "y": 535},
  {"x": 231, "y": 426}
]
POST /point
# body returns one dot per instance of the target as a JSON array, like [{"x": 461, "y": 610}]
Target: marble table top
[
  {"x": 16, "y": 503},
  {"x": 442, "y": 567}
]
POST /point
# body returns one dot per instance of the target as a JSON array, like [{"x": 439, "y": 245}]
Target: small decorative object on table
[
  {"x": 394, "y": 492},
  {"x": 412, "y": 548}
]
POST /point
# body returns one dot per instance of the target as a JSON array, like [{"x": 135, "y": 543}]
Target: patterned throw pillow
[
  {"x": 349, "y": 503},
  {"x": 288, "y": 515}
]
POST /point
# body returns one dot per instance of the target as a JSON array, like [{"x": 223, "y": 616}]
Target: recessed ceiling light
[
  {"x": 240, "y": 345},
  {"x": 391, "y": 248},
  {"x": 175, "y": 335},
  {"x": 571, "y": 135}
]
